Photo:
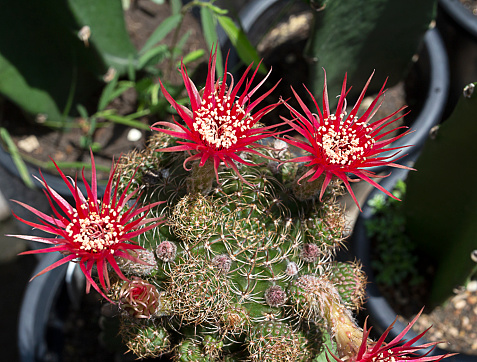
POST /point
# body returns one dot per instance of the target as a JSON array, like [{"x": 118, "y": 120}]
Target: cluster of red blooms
[{"x": 220, "y": 126}]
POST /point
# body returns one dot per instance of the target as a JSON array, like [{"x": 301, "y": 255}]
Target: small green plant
[{"x": 395, "y": 254}]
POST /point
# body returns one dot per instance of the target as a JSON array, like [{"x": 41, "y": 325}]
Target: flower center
[
  {"x": 221, "y": 122},
  {"x": 95, "y": 233},
  {"x": 347, "y": 144}
]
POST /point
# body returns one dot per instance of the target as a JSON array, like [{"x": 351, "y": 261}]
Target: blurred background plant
[
  {"x": 445, "y": 230},
  {"x": 66, "y": 70},
  {"x": 396, "y": 258},
  {"x": 359, "y": 37}
]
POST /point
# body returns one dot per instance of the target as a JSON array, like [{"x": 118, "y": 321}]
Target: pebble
[
  {"x": 459, "y": 304},
  {"x": 472, "y": 286},
  {"x": 134, "y": 135},
  {"x": 453, "y": 331},
  {"x": 29, "y": 144}
]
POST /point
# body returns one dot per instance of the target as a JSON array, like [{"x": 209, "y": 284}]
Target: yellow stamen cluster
[
  {"x": 221, "y": 122},
  {"x": 344, "y": 146},
  {"x": 95, "y": 233}
]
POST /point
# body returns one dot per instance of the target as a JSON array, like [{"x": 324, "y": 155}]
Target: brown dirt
[
  {"x": 141, "y": 19},
  {"x": 454, "y": 323}
]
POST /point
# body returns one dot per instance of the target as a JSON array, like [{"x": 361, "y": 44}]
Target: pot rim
[
  {"x": 377, "y": 307},
  {"x": 38, "y": 299},
  {"x": 437, "y": 92},
  {"x": 460, "y": 15}
]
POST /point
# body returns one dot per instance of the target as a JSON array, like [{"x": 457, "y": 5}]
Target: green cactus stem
[
  {"x": 146, "y": 339},
  {"x": 276, "y": 341}
]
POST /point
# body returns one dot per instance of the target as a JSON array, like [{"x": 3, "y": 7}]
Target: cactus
[
  {"x": 228, "y": 260},
  {"x": 230, "y": 253}
]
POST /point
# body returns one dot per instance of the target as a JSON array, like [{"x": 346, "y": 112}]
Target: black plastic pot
[
  {"x": 380, "y": 312},
  {"x": 49, "y": 308},
  {"x": 39, "y": 330},
  {"x": 458, "y": 27},
  {"x": 59, "y": 322},
  {"x": 432, "y": 69}
]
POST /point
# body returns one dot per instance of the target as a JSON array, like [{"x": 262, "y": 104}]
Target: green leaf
[
  {"x": 153, "y": 56},
  {"x": 192, "y": 56},
  {"x": 239, "y": 40},
  {"x": 213, "y": 8},
  {"x": 211, "y": 37},
  {"x": 112, "y": 91},
  {"x": 17, "y": 158},
  {"x": 176, "y": 6},
  {"x": 75, "y": 165},
  {"x": 42, "y": 56},
  {"x": 177, "y": 50},
  {"x": 161, "y": 31},
  {"x": 125, "y": 120},
  {"x": 82, "y": 111}
]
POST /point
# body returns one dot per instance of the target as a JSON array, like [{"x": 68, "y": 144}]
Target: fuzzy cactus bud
[
  {"x": 292, "y": 269},
  {"x": 222, "y": 263},
  {"x": 275, "y": 296},
  {"x": 139, "y": 298},
  {"x": 201, "y": 177},
  {"x": 310, "y": 253},
  {"x": 132, "y": 267},
  {"x": 304, "y": 189},
  {"x": 166, "y": 251},
  {"x": 316, "y": 298},
  {"x": 275, "y": 341}
]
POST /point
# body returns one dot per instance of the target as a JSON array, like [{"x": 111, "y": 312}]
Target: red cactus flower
[
  {"x": 396, "y": 350},
  {"x": 340, "y": 144},
  {"x": 221, "y": 123},
  {"x": 94, "y": 231}
]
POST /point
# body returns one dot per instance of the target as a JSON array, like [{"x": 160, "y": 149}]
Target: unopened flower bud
[
  {"x": 292, "y": 269},
  {"x": 139, "y": 298},
  {"x": 275, "y": 296},
  {"x": 310, "y": 253},
  {"x": 222, "y": 263},
  {"x": 166, "y": 251}
]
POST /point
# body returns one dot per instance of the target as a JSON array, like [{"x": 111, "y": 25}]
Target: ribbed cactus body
[
  {"x": 276, "y": 341},
  {"x": 147, "y": 339},
  {"x": 245, "y": 271}
]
